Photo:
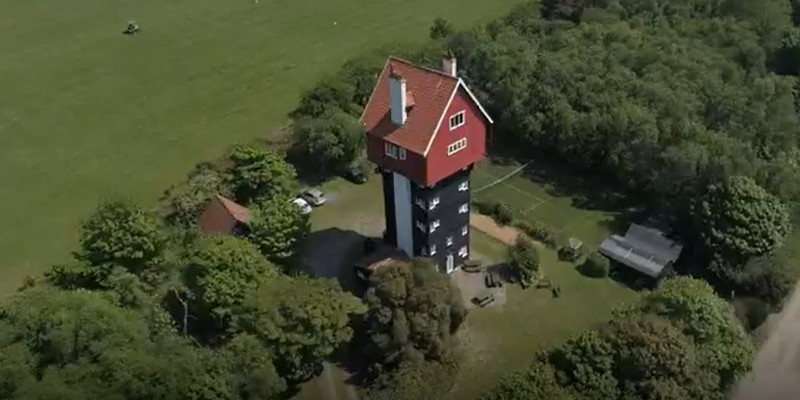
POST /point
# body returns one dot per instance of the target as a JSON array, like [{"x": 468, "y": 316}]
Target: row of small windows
[
  {"x": 456, "y": 146},
  {"x": 395, "y": 151},
  {"x": 463, "y": 251},
  {"x": 435, "y": 224},
  {"x": 464, "y": 208}
]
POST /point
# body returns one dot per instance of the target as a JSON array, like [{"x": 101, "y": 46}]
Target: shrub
[
  {"x": 567, "y": 253},
  {"x": 441, "y": 28},
  {"x": 503, "y": 214},
  {"x": 523, "y": 259},
  {"x": 596, "y": 266},
  {"x": 539, "y": 231},
  {"x": 752, "y": 312}
]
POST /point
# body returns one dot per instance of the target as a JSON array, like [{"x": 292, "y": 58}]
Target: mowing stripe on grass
[{"x": 509, "y": 175}]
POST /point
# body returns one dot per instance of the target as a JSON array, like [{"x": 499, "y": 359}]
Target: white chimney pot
[
  {"x": 449, "y": 66},
  {"x": 397, "y": 98}
]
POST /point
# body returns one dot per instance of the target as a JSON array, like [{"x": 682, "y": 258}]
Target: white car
[
  {"x": 303, "y": 205},
  {"x": 313, "y": 196}
]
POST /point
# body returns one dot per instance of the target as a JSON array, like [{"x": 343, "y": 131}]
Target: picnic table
[{"x": 484, "y": 298}]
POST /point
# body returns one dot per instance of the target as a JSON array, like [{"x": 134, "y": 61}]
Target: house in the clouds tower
[{"x": 425, "y": 131}]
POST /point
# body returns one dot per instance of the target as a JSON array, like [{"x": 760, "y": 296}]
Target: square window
[
  {"x": 463, "y": 252},
  {"x": 464, "y": 230},
  {"x": 434, "y": 202},
  {"x": 390, "y": 150},
  {"x": 402, "y": 153},
  {"x": 434, "y": 225},
  {"x": 421, "y": 226},
  {"x": 457, "y": 120},
  {"x": 419, "y": 202},
  {"x": 464, "y": 186},
  {"x": 433, "y": 249},
  {"x": 463, "y": 209},
  {"x": 449, "y": 240}
]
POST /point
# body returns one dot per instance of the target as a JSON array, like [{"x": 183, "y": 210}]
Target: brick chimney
[
  {"x": 397, "y": 98},
  {"x": 449, "y": 64}
]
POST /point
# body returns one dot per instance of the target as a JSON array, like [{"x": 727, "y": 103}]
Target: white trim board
[{"x": 447, "y": 107}]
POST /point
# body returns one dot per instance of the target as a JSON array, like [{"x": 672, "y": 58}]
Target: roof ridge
[{"x": 424, "y": 68}]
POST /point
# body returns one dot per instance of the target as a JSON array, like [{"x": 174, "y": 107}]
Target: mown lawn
[
  {"x": 502, "y": 339},
  {"x": 86, "y": 112}
]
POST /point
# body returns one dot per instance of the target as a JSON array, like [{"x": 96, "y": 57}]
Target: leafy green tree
[
  {"x": 328, "y": 97},
  {"x": 255, "y": 376},
  {"x": 738, "y": 219},
  {"x": 220, "y": 271},
  {"x": 413, "y": 380},
  {"x": 586, "y": 364},
  {"x": 596, "y": 266},
  {"x": 328, "y": 144},
  {"x": 185, "y": 203},
  {"x": 300, "y": 320},
  {"x": 769, "y": 277},
  {"x": 413, "y": 313},
  {"x": 258, "y": 174},
  {"x": 538, "y": 381},
  {"x": 523, "y": 258},
  {"x": 708, "y": 320},
  {"x": 278, "y": 228},
  {"x": 441, "y": 28},
  {"x": 121, "y": 233}
]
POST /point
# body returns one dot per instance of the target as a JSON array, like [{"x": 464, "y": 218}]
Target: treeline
[{"x": 153, "y": 309}]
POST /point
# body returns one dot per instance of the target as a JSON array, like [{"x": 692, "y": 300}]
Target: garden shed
[{"x": 647, "y": 250}]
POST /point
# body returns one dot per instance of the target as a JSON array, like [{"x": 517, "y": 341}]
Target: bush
[
  {"x": 752, "y": 312},
  {"x": 503, "y": 214},
  {"x": 567, "y": 253},
  {"x": 500, "y": 212},
  {"x": 441, "y": 28},
  {"x": 523, "y": 259},
  {"x": 539, "y": 231},
  {"x": 596, "y": 266}
]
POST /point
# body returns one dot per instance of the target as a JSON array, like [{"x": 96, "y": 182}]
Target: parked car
[
  {"x": 357, "y": 172},
  {"x": 313, "y": 196},
  {"x": 303, "y": 205}
]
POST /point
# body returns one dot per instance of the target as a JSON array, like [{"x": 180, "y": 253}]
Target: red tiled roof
[
  {"x": 221, "y": 215},
  {"x": 428, "y": 90}
]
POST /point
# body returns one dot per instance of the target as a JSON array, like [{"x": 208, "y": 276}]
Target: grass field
[
  {"x": 541, "y": 192},
  {"x": 86, "y": 112}
]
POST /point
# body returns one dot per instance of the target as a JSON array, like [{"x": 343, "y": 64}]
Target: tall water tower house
[{"x": 425, "y": 131}]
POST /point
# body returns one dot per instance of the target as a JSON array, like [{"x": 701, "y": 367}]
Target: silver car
[{"x": 313, "y": 196}]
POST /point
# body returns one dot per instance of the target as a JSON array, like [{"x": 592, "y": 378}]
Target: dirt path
[
  {"x": 485, "y": 224},
  {"x": 776, "y": 368}
]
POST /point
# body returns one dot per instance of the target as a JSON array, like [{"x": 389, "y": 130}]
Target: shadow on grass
[
  {"x": 630, "y": 278},
  {"x": 331, "y": 253}
]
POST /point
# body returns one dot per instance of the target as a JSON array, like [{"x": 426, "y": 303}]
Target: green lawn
[
  {"x": 541, "y": 192},
  {"x": 87, "y": 112},
  {"x": 498, "y": 340}
]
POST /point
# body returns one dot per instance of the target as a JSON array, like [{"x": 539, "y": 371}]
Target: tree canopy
[
  {"x": 523, "y": 258},
  {"x": 121, "y": 233},
  {"x": 413, "y": 312},
  {"x": 327, "y": 144},
  {"x": 300, "y": 320},
  {"x": 277, "y": 227},
  {"x": 258, "y": 174}
]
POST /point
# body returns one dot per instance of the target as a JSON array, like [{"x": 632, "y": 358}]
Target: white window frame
[
  {"x": 464, "y": 230},
  {"x": 402, "y": 153},
  {"x": 456, "y": 146},
  {"x": 435, "y": 224},
  {"x": 464, "y": 208},
  {"x": 455, "y": 117},
  {"x": 434, "y": 202},
  {"x": 463, "y": 186},
  {"x": 433, "y": 249},
  {"x": 463, "y": 251},
  {"x": 419, "y": 202},
  {"x": 390, "y": 150},
  {"x": 420, "y": 226},
  {"x": 449, "y": 240}
]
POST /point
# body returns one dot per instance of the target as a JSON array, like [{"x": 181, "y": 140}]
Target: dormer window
[{"x": 457, "y": 120}]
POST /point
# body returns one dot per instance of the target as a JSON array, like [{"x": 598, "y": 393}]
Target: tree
[
  {"x": 259, "y": 174},
  {"x": 769, "y": 277},
  {"x": 300, "y": 320},
  {"x": 413, "y": 312},
  {"x": 709, "y": 320},
  {"x": 328, "y": 144},
  {"x": 523, "y": 258},
  {"x": 441, "y": 28},
  {"x": 414, "y": 380},
  {"x": 586, "y": 364},
  {"x": 121, "y": 233},
  {"x": 538, "y": 381},
  {"x": 563, "y": 9},
  {"x": 186, "y": 202},
  {"x": 255, "y": 375},
  {"x": 220, "y": 271},
  {"x": 596, "y": 266},
  {"x": 738, "y": 219},
  {"x": 329, "y": 96},
  {"x": 277, "y": 227}
]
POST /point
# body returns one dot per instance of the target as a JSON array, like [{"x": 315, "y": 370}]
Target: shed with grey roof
[{"x": 644, "y": 249}]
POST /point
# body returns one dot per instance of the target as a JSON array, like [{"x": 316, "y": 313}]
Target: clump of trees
[
  {"x": 413, "y": 314},
  {"x": 679, "y": 342}
]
